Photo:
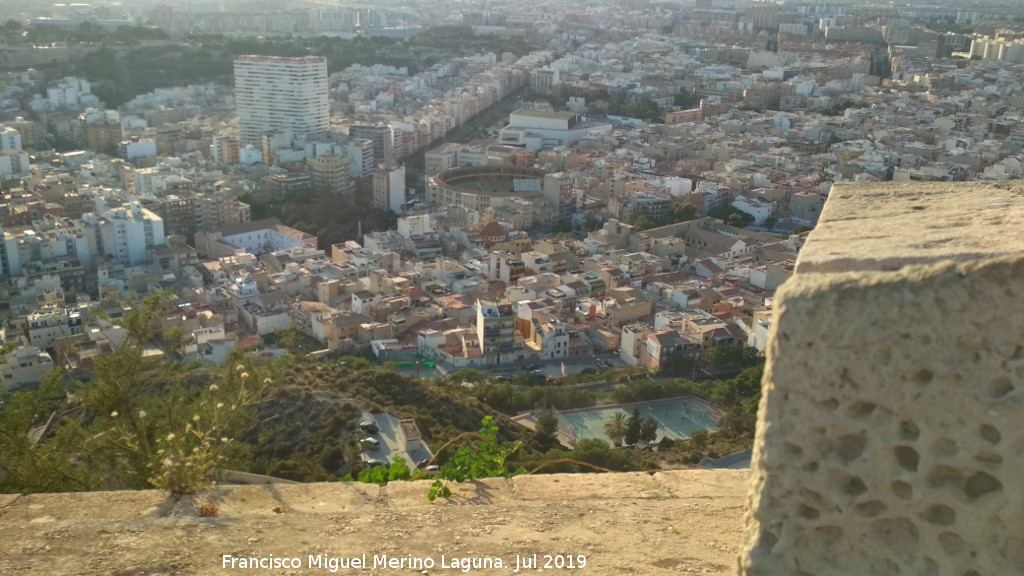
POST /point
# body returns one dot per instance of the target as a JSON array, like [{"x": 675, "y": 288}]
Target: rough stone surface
[
  {"x": 669, "y": 523},
  {"x": 889, "y": 438},
  {"x": 886, "y": 226}
]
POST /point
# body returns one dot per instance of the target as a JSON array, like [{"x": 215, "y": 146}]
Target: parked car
[
  {"x": 371, "y": 443},
  {"x": 369, "y": 426},
  {"x": 373, "y": 463}
]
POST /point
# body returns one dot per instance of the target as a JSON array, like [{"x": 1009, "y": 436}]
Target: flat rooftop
[
  {"x": 281, "y": 59},
  {"x": 545, "y": 114}
]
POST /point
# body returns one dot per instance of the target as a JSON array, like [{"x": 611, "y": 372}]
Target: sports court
[{"x": 677, "y": 418}]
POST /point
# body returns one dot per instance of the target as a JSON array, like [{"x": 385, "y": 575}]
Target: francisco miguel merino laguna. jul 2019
[{"x": 465, "y": 565}]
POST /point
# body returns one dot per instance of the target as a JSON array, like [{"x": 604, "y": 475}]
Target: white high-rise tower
[{"x": 274, "y": 93}]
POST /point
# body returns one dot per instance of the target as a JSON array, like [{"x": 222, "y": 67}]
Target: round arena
[{"x": 481, "y": 187}]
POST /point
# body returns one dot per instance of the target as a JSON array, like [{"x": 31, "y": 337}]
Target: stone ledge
[
  {"x": 679, "y": 522},
  {"x": 888, "y": 440},
  {"x": 885, "y": 226}
]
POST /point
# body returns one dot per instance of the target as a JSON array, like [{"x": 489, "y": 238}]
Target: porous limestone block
[
  {"x": 885, "y": 226},
  {"x": 889, "y": 437}
]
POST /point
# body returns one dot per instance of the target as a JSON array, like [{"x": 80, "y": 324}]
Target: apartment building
[
  {"x": 330, "y": 174},
  {"x": 360, "y": 159},
  {"x": 495, "y": 329},
  {"x": 389, "y": 188},
  {"x": 382, "y": 137},
  {"x": 273, "y": 93},
  {"x": 10, "y": 139}
]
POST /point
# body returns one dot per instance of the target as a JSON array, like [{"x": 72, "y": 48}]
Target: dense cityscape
[{"x": 407, "y": 218}]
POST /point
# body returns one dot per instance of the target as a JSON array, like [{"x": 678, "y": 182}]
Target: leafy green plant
[
  {"x": 381, "y": 475},
  {"x": 184, "y": 462},
  {"x": 484, "y": 457},
  {"x": 485, "y": 460},
  {"x": 141, "y": 421}
]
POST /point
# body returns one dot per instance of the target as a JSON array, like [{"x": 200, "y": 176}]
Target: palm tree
[{"x": 615, "y": 428}]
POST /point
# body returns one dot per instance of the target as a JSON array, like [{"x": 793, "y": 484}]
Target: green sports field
[{"x": 676, "y": 418}]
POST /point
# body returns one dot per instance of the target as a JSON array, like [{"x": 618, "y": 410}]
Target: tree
[
  {"x": 750, "y": 357},
  {"x": 648, "y": 430},
  {"x": 562, "y": 225},
  {"x": 85, "y": 28},
  {"x": 633, "y": 427},
  {"x": 143, "y": 421},
  {"x": 544, "y": 432},
  {"x": 729, "y": 356},
  {"x": 682, "y": 362},
  {"x": 722, "y": 212},
  {"x": 547, "y": 424},
  {"x": 27, "y": 468},
  {"x": 682, "y": 212},
  {"x": 615, "y": 429},
  {"x": 593, "y": 451},
  {"x": 741, "y": 421},
  {"x": 723, "y": 355},
  {"x": 699, "y": 439},
  {"x": 735, "y": 219},
  {"x": 725, "y": 393},
  {"x": 413, "y": 179},
  {"x": 686, "y": 100},
  {"x": 642, "y": 220},
  {"x": 354, "y": 363}
]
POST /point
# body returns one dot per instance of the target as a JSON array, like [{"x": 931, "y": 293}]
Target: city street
[{"x": 553, "y": 368}]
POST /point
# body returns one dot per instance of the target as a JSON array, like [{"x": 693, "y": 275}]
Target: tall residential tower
[{"x": 274, "y": 94}]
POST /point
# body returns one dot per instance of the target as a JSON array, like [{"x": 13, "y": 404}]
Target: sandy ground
[{"x": 681, "y": 522}]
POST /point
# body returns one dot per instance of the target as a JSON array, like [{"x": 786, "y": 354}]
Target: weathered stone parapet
[
  {"x": 888, "y": 438},
  {"x": 878, "y": 227},
  {"x": 679, "y": 522}
]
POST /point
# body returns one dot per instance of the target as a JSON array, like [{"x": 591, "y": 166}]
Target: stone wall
[
  {"x": 888, "y": 438},
  {"x": 663, "y": 524}
]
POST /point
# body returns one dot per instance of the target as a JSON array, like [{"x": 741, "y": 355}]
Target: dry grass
[{"x": 209, "y": 509}]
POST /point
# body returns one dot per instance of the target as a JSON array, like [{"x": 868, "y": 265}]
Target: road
[
  {"x": 490, "y": 117},
  {"x": 390, "y": 447},
  {"x": 552, "y": 368},
  {"x": 575, "y": 365}
]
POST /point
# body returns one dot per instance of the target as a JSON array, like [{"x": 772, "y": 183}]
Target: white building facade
[
  {"x": 543, "y": 130},
  {"x": 124, "y": 234},
  {"x": 274, "y": 93},
  {"x": 10, "y": 139}
]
